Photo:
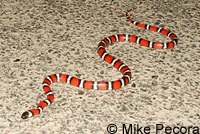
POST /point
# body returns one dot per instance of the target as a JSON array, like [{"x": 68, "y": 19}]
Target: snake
[{"x": 116, "y": 63}]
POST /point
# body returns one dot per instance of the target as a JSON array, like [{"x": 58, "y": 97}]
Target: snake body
[{"x": 118, "y": 64}]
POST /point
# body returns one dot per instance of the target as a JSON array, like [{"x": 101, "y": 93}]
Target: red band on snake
[{"x": 118, "y": 64}]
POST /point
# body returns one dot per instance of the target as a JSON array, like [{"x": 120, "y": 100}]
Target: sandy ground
[{"x": 43, "y": 37}]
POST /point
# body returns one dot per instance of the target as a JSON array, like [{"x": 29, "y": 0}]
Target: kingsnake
[{"x": 118, "y": 64}]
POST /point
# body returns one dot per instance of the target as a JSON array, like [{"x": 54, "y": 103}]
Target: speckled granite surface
[{"x": 42, "y": 37}]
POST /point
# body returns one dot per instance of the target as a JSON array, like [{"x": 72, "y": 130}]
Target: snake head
[{"x": 25, "y": 115}]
